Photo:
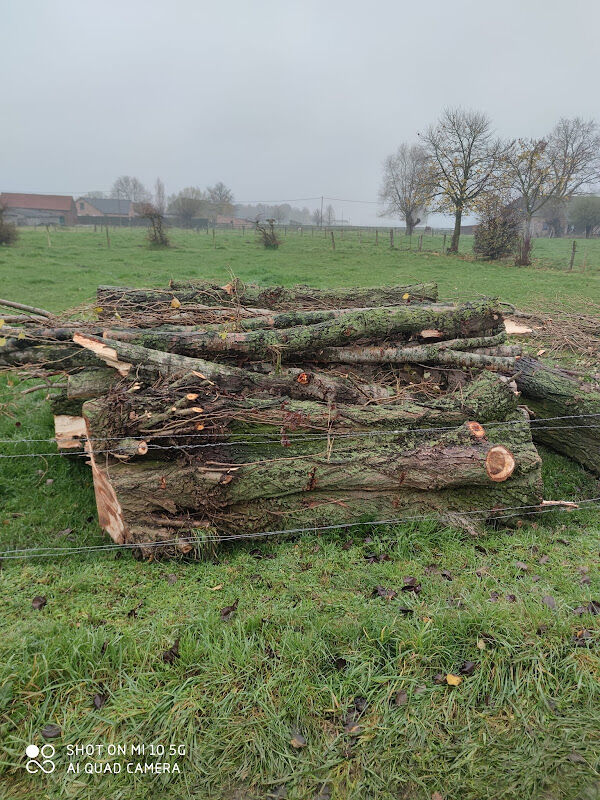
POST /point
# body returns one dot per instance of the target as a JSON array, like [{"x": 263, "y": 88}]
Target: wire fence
[{"x": 528, "y": 510}]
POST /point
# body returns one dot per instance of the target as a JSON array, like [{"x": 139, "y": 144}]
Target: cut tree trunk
[
  {"x": 296, "y": 383},
  {"x": 437, "y": 322},
  {"x": 553, "y": 392},
  {"x": 450, "y": 472},
  {"x": 193, "y": 405},
  {"x": 118, "y": 299}
]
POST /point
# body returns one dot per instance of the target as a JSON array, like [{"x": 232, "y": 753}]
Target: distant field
[
  {"x": 309, "y": 643},
  {"x": 68, "y": 272}
]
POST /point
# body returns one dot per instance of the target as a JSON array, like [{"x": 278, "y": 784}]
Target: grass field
[{"x": 309, "y": 651}]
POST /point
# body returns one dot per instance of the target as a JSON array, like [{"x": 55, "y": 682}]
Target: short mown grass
[{"x": 309, "y": 644}]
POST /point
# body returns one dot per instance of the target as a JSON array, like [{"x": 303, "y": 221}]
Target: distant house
[
  {"x": 105, "y": 207},
  {"x": 232, "y": 222},
  {"x": 39, "y": 209}
]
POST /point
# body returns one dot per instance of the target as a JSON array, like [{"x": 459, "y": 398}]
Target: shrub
[
  {"x": 156, "y": 231},
  {"x": 8, "y": 231},
  {"x": 497, "y": 234},
  {"x": 267, "y": 234}
]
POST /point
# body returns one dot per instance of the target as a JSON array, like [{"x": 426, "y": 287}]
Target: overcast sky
[{"x": 280, "y": 100}]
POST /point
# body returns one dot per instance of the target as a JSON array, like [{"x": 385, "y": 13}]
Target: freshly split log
[
  {"x": 113, "y": 299},
  {"x": 554, "y": 392}
]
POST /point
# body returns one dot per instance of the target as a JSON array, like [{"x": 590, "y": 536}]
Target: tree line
[{"x": 459, "y": 166}]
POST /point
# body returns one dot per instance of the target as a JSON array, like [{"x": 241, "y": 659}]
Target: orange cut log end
[
  {"x": 499, "y": 464},
  {"x": 477, "y": 430}
]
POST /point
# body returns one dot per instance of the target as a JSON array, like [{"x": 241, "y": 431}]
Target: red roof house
[{"x": 39, "y": 209}]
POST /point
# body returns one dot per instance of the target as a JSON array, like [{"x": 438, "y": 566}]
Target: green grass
[
  {"x": 68, "y": 272},
  {"x": 525, "y": 724}
]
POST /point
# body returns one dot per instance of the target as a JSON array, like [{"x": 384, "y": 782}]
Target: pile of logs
[{"x": 210, "y": 411}]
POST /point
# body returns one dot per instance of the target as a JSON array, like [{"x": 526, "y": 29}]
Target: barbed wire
[
  {"x": 48, "y": 551},
  {"x": 537, "y": 424},
  {"x": 274, "y": 440}
]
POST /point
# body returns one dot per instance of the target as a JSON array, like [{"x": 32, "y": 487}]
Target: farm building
[
  {"x": 39, "y": 209},
  {"x": 223, "y": 221},
  {"x": 105, "y": 207}
]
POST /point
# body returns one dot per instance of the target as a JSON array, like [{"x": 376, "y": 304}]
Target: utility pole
[{"x": 321, "y": 210}]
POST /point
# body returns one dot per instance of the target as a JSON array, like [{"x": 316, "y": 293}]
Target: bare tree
[
  {"x": 220, "y": 199},
  {"x": 550, "y": 171},
  {"x": 330, "y": 214},
  {"x": 129, "y": 188},
  {"x": 464, "y": 156},
  {"x": 160, "y": 200},
  {"x": 187, "y": 204},
  {"x": 317, "y": 217},
  {"x": 406, "y": 187},
  {"x": 584, "y": 213}
]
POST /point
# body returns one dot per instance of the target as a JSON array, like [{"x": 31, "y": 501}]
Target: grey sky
[{"x": 280, "y": 100}]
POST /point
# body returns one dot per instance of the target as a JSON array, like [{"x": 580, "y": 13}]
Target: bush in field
[
  {"x": 497, "y": 234},
  {"x": 156, "y": 230},
  {"x": 8, "y": 231},
  {"x": 268, "y": 235}
]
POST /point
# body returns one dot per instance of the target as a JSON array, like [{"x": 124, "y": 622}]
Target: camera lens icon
[{"x": 47, "y": 765}]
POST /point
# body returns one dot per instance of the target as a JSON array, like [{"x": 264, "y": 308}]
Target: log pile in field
[{"x": 211, "y": 411}]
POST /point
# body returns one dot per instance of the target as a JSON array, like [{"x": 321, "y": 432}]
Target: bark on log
[
  {"x": 296, "y": 383},
  {"x": 429, "y": 322},
  {"x": 116, "y": 298},
  {"x": 279, "y": 421},
  {"x": 449, "y": 472},
  {"x": 554, "y": 392}
]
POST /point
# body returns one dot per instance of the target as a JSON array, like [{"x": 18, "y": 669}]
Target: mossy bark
[
  {"x": 119, "y": 299},
  {"x": 553, "y": 392},
  {"x": 443, "y": 473},
  {"x": 442, "y": 321}
]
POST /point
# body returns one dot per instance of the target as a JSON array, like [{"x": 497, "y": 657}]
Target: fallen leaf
[
  {"x": 175, "y": 303},
  {"x": 521, "y": 565},
  {"x": 297, "y": 740},
  {"x": 467, "y": 668},
  {"x": 387, "y": 594},
  {"x": 581, "y": 638},
  {"x": 38, "y": 602},
  {"x": 576, "y": 758},
  {"x": 548, "y": 600},
  {"x": 480, "y": 644},
  {"x": 437, "y": 796},
  {"x": 401, "y": 698},
  {"x": 133, "y": 612},
  {"x": 411, "y": 584},
  {"x": 171, "y": 578},
  {"x": 446, "y": 574},
  {"x": 340, "y": 663},
  {"x": 216, "y": 588},
  {"x": 544, "y": 559},
  {"x": 99, "y": 700},
  {"x": 360, "y": 704},
  {"x": 172, "y": 653},
  {"x": 228, "y": 611},
  {"x": 511, "y": 598},
  {"x": 453, "y": 680},
  {"x": 51, "y": 731}
]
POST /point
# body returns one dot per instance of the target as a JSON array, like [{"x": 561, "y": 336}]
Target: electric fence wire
[
  {"x": 40, "y": 552},
  {"x": 301, "y": 436}
]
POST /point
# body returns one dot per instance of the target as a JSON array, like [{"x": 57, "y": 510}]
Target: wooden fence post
[
  {"x": 333, "y": 241},
  {"x": 376, "y": 236},
  {"x": 107, "y": 236},
  {"x": 444, "y": 245},
  {"x": 420, "y": 242},
  {"x": 392, "y": 238},
  {"x": 572, "y": 255}
]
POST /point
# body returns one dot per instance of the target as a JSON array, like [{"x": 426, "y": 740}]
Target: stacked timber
[{"x": 210, "y": 411}]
